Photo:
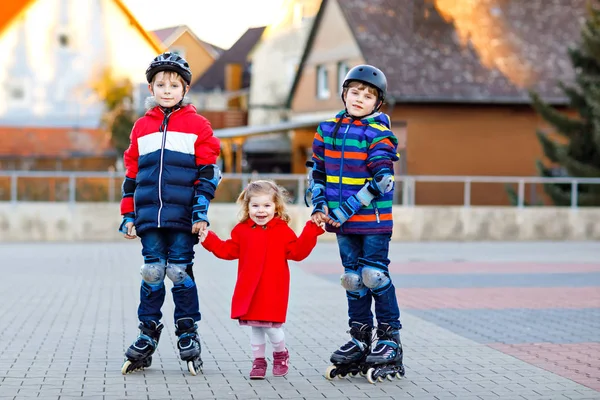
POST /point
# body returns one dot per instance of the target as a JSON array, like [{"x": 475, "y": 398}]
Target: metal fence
[{"x": 72, "y": 187}]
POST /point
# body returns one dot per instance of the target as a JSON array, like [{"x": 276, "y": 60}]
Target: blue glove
[
  {"x": 129, "y": 217},
  {"x": 200, "y": 209},
  {"x": 346, "y": 210}
]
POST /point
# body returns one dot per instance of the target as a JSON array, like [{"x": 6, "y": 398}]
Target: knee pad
[
  {"x": 177, "y": 273},
  {"x": 376, "y": 277},
  {"x": 153, "y": 274},
  {"x": 353, "y": 283}
]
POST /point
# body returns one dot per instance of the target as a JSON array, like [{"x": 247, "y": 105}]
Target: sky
[{"x": 220, "y": 22}]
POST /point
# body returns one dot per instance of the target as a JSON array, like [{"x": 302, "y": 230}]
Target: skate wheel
[
  {"x": 398, "y": 375},
  {"x": 125, "y": 367},
  {"x": 330, "y": 372},
  {"x": 354, "y": 374},
  {"x": 192, "y": 368},
  {"x": 390, "y": 377},
  {"x": 370, "y": 376}
]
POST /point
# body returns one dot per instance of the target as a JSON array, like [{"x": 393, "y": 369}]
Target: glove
[
  {"x": 382, "y": 183},
  {"x": 347, "y": 209},
  {"x": 200, "y": 209},
  {"x": 129, "y": 217}
]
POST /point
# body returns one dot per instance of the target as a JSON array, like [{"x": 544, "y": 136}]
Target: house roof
[
  {"x": 214, "y": 77},
  {"x": 440, "y": 51},
  {"x": 13, "y": 9},
  {"x": 40, "y": 142},
  {"x": 167, "y": 36}
]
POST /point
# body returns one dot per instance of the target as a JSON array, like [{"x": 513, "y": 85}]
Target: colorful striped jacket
[{"x": 346, "y": 159}]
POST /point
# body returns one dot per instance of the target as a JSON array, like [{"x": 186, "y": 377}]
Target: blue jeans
[
  {"x": 168, "y": 246},
  {"x": 375, "y": 249}
]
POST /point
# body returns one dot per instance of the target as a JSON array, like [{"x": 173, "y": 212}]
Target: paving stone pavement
[{"x": 68, "y": 311}]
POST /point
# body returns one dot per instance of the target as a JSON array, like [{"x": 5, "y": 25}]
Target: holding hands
[{"x": 202, "y": 234}]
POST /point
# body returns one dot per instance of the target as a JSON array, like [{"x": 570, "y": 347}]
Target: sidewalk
[{"x": 68, "y": 311}]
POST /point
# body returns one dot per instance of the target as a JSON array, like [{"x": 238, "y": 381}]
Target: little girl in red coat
[{"x": 263, "y": 242}]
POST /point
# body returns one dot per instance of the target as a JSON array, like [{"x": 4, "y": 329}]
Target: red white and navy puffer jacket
[{"x": 162, "y": 163}]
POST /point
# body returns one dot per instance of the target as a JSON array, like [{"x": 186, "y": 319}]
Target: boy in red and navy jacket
[
  {"x": 171, "y": 176},
  {"x": 352, "y": 184}
]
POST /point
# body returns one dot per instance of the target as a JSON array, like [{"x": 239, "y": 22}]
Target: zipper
[
  {"x": 342, "y": 167},
  {"x": 376, "y": 211},
  {"x": 163, "y": 128}
]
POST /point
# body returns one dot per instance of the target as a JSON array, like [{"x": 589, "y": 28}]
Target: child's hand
[
  {"x": 202, "y": 235},
  {"x": 320, "y": 218},
  {"x": 130, "y": 228},
  {"x": 199, "y": 227}
]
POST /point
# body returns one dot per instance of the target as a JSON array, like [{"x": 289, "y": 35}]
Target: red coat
[{"x": 263, "y": 282}]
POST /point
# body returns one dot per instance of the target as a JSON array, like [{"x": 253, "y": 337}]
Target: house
[
  {"x": 458, "y": 81},
  {"x": 225, "y": 83},
  {"x": 199, "y": 54},
  {"x": 55, "y": 51},
  {"x": 221, "y": 95},
  {"x": 275, "y": 60}
]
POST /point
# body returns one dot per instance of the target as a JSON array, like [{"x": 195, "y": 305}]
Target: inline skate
[
  {"x": 189, "y": 344},
  {"x": 385, "y": 360},
  {"x": 350, "y": 358},
  {"x": 139, "y": 354}
]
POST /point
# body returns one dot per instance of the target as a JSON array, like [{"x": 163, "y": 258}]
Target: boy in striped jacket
[{"x": 352, "y": 184}]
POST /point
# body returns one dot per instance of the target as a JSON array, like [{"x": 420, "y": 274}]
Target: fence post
[
  {"x": 111, "y": 187},
  {"x": 467, "y": 193},
  {"x": 72, "y": 194},
  {"x": 521, "y": 194},
  {"x": 13, "y": 187},
  {"x": 574, "y": 194},
  {"x": 413, "y": 191},
  {"x": 301, "y": 190}
]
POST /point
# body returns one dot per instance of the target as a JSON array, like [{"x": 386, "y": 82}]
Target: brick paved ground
[{"x": 481, "y": 322}]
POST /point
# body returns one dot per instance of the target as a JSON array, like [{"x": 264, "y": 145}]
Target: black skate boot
[
  {"x": 386, "y": 357},
  {"x": 139, "y": 354},
  {"x": 189, "y": 344},
  {"x": 349, "y": 359}
]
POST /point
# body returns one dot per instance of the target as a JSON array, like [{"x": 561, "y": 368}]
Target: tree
[
  {"x": 119, "y": 116},
  {"x": 578, "y": 154}
]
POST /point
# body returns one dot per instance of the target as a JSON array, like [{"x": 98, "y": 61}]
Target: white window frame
[
  {"x": 322, "y": 82},
  {"x": 342, "y": 70}
]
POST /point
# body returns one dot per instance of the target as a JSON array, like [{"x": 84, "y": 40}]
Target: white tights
[{"x": 259, "y": 343}]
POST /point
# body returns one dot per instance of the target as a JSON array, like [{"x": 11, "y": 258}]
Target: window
[
  {"x": 342, "y": 70},
  {"x": 322, "y": 82},
  {"x": 17, "y": 93}
]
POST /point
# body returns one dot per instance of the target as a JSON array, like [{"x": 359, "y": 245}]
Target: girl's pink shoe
[
  {"x": 280, "y": 363},
  {"x": 259, "y": 369}
]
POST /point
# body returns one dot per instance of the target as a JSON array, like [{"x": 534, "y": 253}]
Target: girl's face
[{"x": 261, "y": 209}]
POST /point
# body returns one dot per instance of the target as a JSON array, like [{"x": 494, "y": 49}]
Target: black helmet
[
  {"x": 169, "y": 62},
  {"x": 370, "y": 75}
]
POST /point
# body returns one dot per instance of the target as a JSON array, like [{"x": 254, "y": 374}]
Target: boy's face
[
  {"x": 360, "y": 101},
  {"x": 261, "y": 209},
  {"x": 167, "y": 88}
]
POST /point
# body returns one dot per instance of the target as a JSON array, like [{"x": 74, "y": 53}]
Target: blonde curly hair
[{"x": 262, "y": 187}]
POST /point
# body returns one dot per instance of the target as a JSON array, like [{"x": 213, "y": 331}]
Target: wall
[{"x": 99, "y": 222}]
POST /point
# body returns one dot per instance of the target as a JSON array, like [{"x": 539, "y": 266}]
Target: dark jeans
[
  {"x": 374, "y": 248},
  {"x": 168, "y": 246}
]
